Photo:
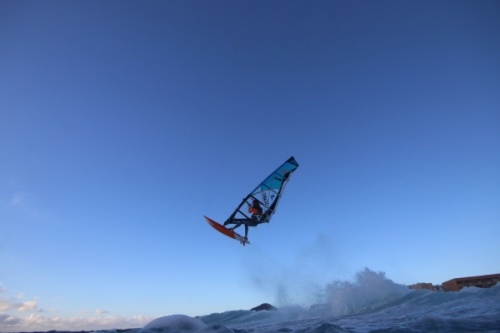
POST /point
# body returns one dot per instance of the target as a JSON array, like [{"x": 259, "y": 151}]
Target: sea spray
[
  {"x": 423, "y": 311},
  {"x": 369, "y": 291}
]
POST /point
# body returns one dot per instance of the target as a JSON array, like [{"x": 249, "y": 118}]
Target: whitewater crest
[
  {"x": 369, "y": 291},
  {"x": 182, "y": 324},
  {"x": 371, "y": 303}
]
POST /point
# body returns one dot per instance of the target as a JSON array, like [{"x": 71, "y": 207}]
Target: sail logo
[{"x": 266, "y": 200}]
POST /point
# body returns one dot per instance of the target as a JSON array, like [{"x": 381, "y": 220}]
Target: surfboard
[{"x": 228, "y": 232}]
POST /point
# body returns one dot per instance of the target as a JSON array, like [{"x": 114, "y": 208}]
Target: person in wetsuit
[{"x": 256, "y": 210}]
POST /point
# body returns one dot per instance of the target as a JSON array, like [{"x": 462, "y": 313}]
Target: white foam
[{"x": 175, "y": 324}]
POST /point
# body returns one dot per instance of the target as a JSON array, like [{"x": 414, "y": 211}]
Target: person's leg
[
  {"x": 229, "y": 222},
  {"x": 237, "y": 225}
]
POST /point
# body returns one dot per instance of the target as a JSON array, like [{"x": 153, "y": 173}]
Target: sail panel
[{"x": 268, "y": 193}]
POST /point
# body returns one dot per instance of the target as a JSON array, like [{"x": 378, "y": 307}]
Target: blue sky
[{"x": 124, "y": 122}]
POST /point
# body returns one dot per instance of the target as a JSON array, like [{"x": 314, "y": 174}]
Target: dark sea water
[{"x": 375, "y": 305}]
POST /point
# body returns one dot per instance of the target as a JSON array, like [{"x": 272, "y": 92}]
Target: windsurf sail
[{"x": 268, "y": 193}]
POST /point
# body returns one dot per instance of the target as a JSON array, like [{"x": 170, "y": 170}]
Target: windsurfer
[{"x": 256, "y": 210}]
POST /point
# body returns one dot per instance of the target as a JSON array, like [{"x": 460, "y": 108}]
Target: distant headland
[{"x": 480, "y": 281}]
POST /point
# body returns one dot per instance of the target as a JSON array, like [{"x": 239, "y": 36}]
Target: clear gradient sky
[{"x": 122, "y": 123}]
